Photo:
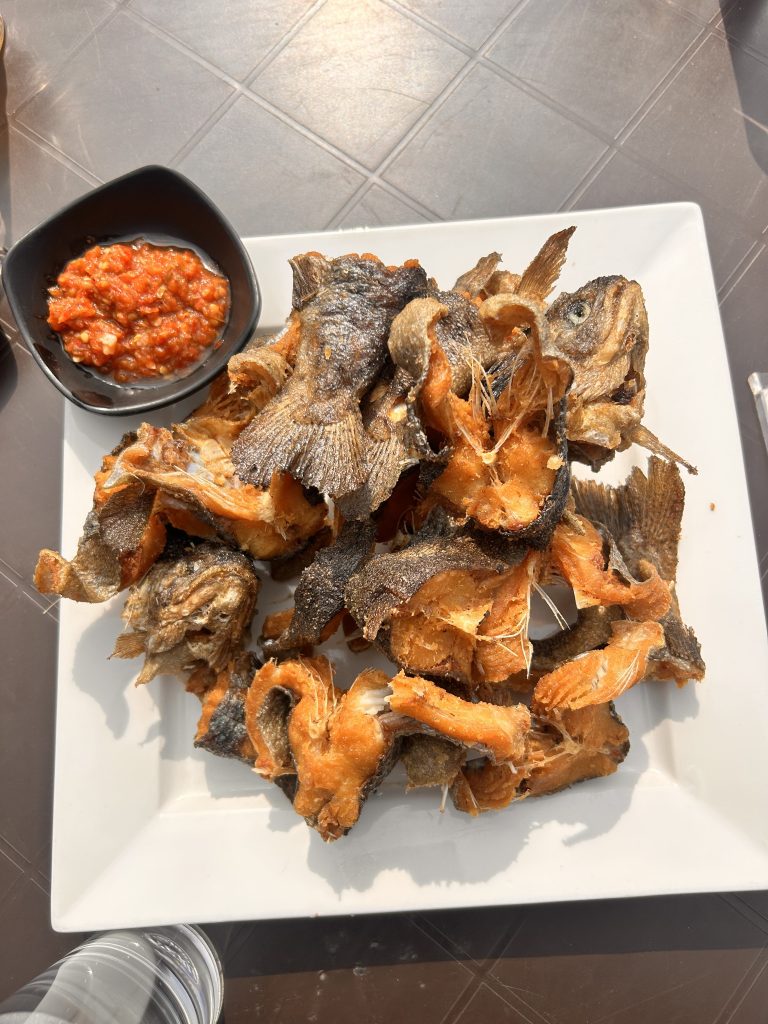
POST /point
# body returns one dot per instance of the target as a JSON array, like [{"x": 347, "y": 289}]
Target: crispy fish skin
[
  {"x": 592, "y": 629},
  {"x": 601, "y": 331},
  {"x": 319, "y": 595},
  {"x": 394, "y": 441},
  {"x": 338, "y": 748},
  {"x": 313, "y": 427},
  {"x": 122, "y": 537},
  {"x": 430, "y": 760},
  {"x": 390, "y": 579},
  {"x": 644, "y": 517},
  {"x": 183, "y": 477},
  {"x": 199, "y": 494},
  {"x": 600, "y": 676},
  {"x": 193, "y": 607},
  {"x": 221, "y": 729},
  {"x": 500, "y": 732},
  {"x": 474, "y": 281}
]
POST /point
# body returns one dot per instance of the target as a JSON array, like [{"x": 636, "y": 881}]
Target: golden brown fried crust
[
  {"x": 469, "y": 625},
  {"x": 601, "y": 676},
  {"x": 578, "y": 558},
  {"x": 335, "y": 746},
  {"x": 498, "y": 731}
]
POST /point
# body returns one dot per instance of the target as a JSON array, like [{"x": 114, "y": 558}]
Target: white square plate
[{"x": 149, "y": 830}]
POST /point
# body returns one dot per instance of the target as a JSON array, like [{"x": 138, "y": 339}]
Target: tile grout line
[
  {"x": 57, "y": 154},
  {"x": 446, "y": 943},
  {"x": 109, "y": 16},
  {"x": 281, "y": 44},
  {"x": 199, "y": 134},
  {"x": 738, "y": 271},
  {"x": 661, "y": 87},
  {"x": 181, "y": 47},
  {"x": 423, "y": 22},
  {"x": 473, "y": 59},
  {"x": 589, "y": 178}
]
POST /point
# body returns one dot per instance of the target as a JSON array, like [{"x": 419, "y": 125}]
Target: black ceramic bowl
[{"x": 152, "y": 203}]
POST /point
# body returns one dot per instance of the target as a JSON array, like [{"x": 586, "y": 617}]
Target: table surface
[{"x": 300, "y": 116}]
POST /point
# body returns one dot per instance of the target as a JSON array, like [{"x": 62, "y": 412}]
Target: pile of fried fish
[{"x": 405, "y": 452}]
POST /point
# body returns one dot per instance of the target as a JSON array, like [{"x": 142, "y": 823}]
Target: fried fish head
[
  {"x": 601, "y": 332},
  {"x": 193, "y": 607}
]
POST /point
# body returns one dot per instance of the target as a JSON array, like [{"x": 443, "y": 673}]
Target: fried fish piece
[
  {"x": 578, "y": 745},
  {"x": 122, "y": 537},
  {"x": 601, "y": 331},
  {"x": 467, "y": 624},
  {"x": 394, "y": 441},
  {"x": 577, "y": 555},
  {"x": 390, "y": 579},
  {"x": 644, "y": 517},
  {"x": 601, "y": 676},
  {"x": 431, "y": 760},
  {"x": 499, "y": 732},
  {"x": 319, "y": 595},
  {"x": 333, "y": 742},
  {"x": 193, "y": 607},
  {"x": 504, "y": 472},
  {"x": 573, "y": 746},
  {"x": 313, "y": 427},
  {"x": 506, "y": 463},
  {"x": 199, "y": 493},
  {"x": 592, "y": 629},
  {"x": 184, "y": 477},
  {"x": 221, "y": 729}
]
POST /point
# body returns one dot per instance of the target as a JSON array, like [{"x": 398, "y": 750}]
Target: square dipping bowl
[{"x": 155, "y": 205}]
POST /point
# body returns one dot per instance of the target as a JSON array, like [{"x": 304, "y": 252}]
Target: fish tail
[{"x": 328, "y": 456}]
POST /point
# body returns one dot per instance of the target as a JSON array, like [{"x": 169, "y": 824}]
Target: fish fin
[
  {"x": 540, "y": 275},
  {"x": 311, "y": 271},
  {"x": 329, "y": 456},
  {"x": 647, "y": 439},
  {"x": 129, "y": 645},
  {"x": 643, "y": 515},
  {"x": 475, "y": 280}
]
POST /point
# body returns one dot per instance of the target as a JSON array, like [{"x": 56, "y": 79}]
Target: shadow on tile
[{"x": 748, "y": 23}]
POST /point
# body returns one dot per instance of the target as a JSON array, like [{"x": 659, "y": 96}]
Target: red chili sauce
[{"x": 138, "y": 310}]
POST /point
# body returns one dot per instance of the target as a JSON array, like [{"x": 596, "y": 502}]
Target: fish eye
[{"x": 577, "y": 313}]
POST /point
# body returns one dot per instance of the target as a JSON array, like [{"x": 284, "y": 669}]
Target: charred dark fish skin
[
  {"x": 431, "y": 760},
  {"x": 390, "y": 579},
  {"x": 224, "y": 733},
  {"x": 193, "y": 608},
  {"x": 313, "y": 427},
  {"x": 319, "y": 593},
  {"x": 592, "y": 629}
]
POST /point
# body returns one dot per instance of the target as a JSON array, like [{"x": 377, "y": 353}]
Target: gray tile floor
[{"x": 299, "y": 115}]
